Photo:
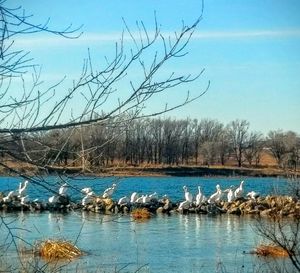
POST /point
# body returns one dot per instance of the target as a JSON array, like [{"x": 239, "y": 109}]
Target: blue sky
[{"x": 250, "y": 51}]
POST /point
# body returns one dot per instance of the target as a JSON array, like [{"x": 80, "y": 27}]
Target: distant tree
[
  {"x": 254, "y": 148},
  {"x": 223, "y": 146},
  {"x": 238, "y": 132},
  {"x": 284, "y": 147},
  {"x": 209, "y": 152}
]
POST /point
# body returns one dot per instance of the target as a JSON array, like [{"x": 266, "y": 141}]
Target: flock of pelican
[
  {"x": 232, "y": 194},
  {"x": 135, "y": 198},
  {"x": 19, "y": 193}
]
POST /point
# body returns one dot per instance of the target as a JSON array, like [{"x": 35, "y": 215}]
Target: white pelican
[
  {"x": 86, "y": 190},
  {"x": 252, "y": 195},
  {"x": 184, "y": 205},
  {"x": 216, "y": 196},
  {"x": 146, "y": 199},
  {"x": 53, "y": 199},
  {"x": 239, "y": 191},
  {"x": 109, "y": 191},
  {"x": 230, "y": 194},
  {"x": 200, "y": 198},
  {"x": 153, "y": 196},
  {"x": 22, "y": 188},
  {"x": 123, "y": 200},
  {"x": 133, "y": 197},
  {"x": 88, "y": 199},
  {"x": 188, "y": 196},
  {"x": 140, "y": 199},
  {"x": 63, "y": 189},
  {"x": 8, "y": 197},
  {"x": 24, "y": 200}
]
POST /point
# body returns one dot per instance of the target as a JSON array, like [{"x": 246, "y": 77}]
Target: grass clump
[
  {"x": 271, "y": 251},
  {"x": 58, "y": 250},
  {"x": 140, "y": 214}
]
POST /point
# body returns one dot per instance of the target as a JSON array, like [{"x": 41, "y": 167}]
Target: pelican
[
  {"x": 109, "y": 191},
  {"x": 22, "y": 188},
  {"x": 216, "y": 196},
  {"x": 252, "y": 195},
  {"x": 184, "y": 205},
  {"x": 153, "y": 196},
  {"x": 7, "y": 198},
  {"x": 88, "y": 199},
  {"x": 123, "y": 200},
  {"x": 63, "y": 189},
  {"x": 146, "y": 199},
  {"x": 239, "y": 191},
  {"x": 139, "y": 200},
  {"x": 230, "y": 194},
  {"x": 200, "y": 198},
  {"x": 133, "y": 197},
  {"x": 86, "y": 190},
  {"x": 188, "y": 196},
  {"x": 53, "y": 199},
  {"x": 24, "y": 200}
]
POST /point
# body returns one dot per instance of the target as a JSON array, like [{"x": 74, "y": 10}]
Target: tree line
[{"x": 158, "y": 141}]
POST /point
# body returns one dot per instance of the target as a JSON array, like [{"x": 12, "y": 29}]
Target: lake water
[{"x": 175, "y": 243}]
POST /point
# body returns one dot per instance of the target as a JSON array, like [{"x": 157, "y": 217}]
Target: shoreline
[
  {"x": 195, "y": 171},
  {"x": 179, "y": 171}
]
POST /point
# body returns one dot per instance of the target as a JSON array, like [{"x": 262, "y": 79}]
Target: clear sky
[{"x": 250, "y": 51}]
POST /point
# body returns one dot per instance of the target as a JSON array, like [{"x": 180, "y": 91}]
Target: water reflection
[{"x": 178, "y": 243}]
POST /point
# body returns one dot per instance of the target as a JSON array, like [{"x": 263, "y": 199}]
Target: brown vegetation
[
  {"x": 140, "y": 214},
  {"x": 271, "y": 251},
  {"x": 58, "y": 250}
]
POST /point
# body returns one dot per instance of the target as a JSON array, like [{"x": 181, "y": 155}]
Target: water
[
  {"x": 172, "y": 186},
  {"x": 176, "y": 243}
]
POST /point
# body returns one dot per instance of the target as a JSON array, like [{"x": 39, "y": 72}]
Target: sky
[{"x": 250, "y": 51}]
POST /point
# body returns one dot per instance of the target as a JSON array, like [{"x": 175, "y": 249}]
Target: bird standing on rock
[
  {"x": 9, "y": 196},
  {"x": 238, "y": 193},
  {"x": 252, "y": 195},
  {"x": 200, "y": 198},
  {"x": 230, "y": 194},
  {"x": 216, "y": 196},
  {"x": 184, "y": 205},
  {"x": 63, "y": 189},
  {"x": 123, "y": 200},
  {"x": 109, "y": 191},
  {"x": 134, "y": 197},
  {"x": 188, "y": 196},
  {"x": 88, "y": 199},
  {"x": 22, "y": 188},
  {"x": 153, "y": 196}
]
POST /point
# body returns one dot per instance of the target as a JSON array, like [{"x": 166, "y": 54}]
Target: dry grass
[
  {"x": 58, "y": 250},
  {"x": 140, "y": 214},
  {"x": 271, "y": 251}
]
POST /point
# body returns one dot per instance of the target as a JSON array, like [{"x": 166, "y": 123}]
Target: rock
[
  {"x": 160, "y": 210},
  {"x": 235, "y": 210},
  {"x": 268, "y": 212}
]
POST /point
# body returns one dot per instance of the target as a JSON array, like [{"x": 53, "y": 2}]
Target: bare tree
[
  {"x": 238, "y": 135},
  {"x": 285, "y": 234},
  {"x": 39, "y": 111},
  {"x": 254, "y": 148},
  {"x": 284, "y": 147}
]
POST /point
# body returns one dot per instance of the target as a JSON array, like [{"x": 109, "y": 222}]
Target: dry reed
[
  {"x": 271, "y": 251},
  {"x": 140, "y": 214},
  {"x": 58, "y": 250}
]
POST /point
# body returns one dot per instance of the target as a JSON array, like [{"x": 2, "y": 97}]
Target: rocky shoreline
[
  {"x": 269, "y": 206},
  {"x": 184, "y": 170}
]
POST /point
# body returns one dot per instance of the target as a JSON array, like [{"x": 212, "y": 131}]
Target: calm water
[{"x": 176, "y": 243}]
